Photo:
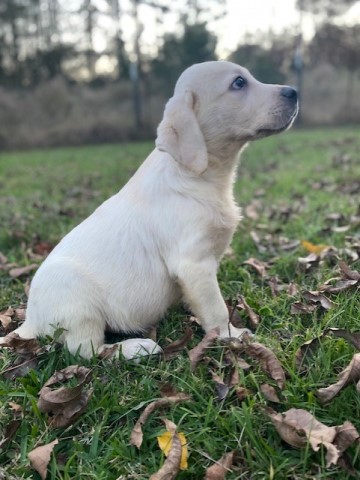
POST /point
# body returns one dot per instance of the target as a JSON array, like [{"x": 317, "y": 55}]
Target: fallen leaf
[
  {"x": 351, "y": 337},
  {"x": 3, "y": 259},
  {"x": 20, "y": 345},
  {"x": 6, "y": 318},
  {"x": 20, "y": 271},
  {"x": 269, "y": 393},
  {"x": 253, "y": 317},
  {"x": 351, "y": 374},
  {"x": 347, "y": 272},
  {"x": 297, "y": 427},
  {"x": 197, "y": 353},
  {"x": 307, "y": 349},
  {"x": 165, "y": 444},
  {"x": 171, "y": 466},
  {"x": 346, "y": 435},
  {"x": 292, "y": 289},
  {"x": 21, "y": 367},
  {"x": 318, "y": 297},
  {"x": 175, "y": 347},
  {"x": 40, "y": 458},
  {"x": 15, "y": 407},
  {"x": 242, "y": 393},
  {"x": 64, "y": 405},
  {"x": 258, "y": 265},
  {"x": 136, "y": 437},
  {"x": 299, "y": 308},
  {"x": 268, "y": 361},
  {"x": 219, "y": 470},
  {"x": 222, "y": 389},
  {"x": 168, "y": 390},
  {"x": 309, "y": 261},
  {"x": 312, "y": 248},
  {"x": 9, "y": 433}
]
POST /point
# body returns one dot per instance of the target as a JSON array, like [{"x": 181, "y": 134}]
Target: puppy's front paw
[
  {"x": 232, "y": 332},
  {"x": 132, "y": 348}
]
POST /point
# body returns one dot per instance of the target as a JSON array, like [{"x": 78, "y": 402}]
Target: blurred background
[{"x": 93, "y": 71}]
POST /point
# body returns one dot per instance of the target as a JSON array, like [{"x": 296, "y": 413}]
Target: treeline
[{"x": 50, "y": 48}]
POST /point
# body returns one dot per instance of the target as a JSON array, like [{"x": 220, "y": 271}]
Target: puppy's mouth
[{"x": 267, "y": 131}]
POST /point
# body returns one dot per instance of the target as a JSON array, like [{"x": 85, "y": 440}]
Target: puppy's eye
[{"x": 238, "y": 83}]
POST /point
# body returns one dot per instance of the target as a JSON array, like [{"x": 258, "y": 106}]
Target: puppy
[{"x": 160, "y": 239}]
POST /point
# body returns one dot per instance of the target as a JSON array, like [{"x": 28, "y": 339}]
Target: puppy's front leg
[{"x": 201, "y": 292}]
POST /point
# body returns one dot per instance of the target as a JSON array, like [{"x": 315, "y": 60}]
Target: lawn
[{"x": 300, "y": 186}]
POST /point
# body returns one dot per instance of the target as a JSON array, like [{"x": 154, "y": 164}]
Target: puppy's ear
[{"x": 179, "y": 134}]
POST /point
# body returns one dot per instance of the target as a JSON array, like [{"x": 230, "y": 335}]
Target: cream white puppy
[{"x": 160, "y": 239}]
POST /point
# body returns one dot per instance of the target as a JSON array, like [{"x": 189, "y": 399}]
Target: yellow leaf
[
  {"x": 312, "y": 248},
  {"x": 165, "y": 444}
]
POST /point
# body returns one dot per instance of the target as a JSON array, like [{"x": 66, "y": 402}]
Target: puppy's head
[{"x": 220, "y": 105}]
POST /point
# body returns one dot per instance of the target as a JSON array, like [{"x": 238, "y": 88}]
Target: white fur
[{"x": 160, "y": 239}]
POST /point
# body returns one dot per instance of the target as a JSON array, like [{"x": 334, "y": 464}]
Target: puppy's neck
[{"x": 222, "y": 164}]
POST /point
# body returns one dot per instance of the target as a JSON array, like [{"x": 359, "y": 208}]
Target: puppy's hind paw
[{"x": 131, "y": 349}]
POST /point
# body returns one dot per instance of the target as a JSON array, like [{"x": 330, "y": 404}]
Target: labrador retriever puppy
[{"x": 159, "y": 240}]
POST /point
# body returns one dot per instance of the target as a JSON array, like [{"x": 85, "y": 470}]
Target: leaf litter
[
  {"x": 40, "y": 458},
  {"x": 171, "y": 466},
  {"x": 136, "y": 437},
  {"x": 65, "y": 404},
  {"x": 297, "y": 427}
]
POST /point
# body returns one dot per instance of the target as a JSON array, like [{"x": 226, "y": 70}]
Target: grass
[{"x": 304, "y": 174}]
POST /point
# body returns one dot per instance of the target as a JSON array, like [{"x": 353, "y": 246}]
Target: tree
[
  {"x": 339, "y": 46},
  {"x": 195, "y": 45}
]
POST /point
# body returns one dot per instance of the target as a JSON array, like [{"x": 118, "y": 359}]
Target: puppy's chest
[{"x": 223, "y": 225}]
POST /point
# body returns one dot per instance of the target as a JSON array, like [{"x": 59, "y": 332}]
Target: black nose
[{"x": 289, "y": 93}]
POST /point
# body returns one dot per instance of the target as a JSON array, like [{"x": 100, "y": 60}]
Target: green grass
[{"x": 45, "y": 193}]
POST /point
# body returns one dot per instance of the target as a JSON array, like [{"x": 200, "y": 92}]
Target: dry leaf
[
  {"x": 198, "y": 352},
  {"x": 268, "y": 361},
  {"x": 221, "y": 388},
  {"x": 15, "y": 407},
  {"x": 64, "y": 405},
  {"x": 269, "y": 393},
  {"x": 297, "y": 427},
  {"x": 253, "y": 317},
  {"x": 351, "y": 374},
  {"x": 258, "y": 265},
  {"x": 299, "y": 308},
  {"x": 136, "y": 437},
  {"x": 309, "y": 261},
  {"x": 21, "y": 366},
  {"x": 9, "y": 433},
  {"x": 242, "y": 393},
  {"x": 175, "y": 347},
  {"x": 20, "y": 345},
  {"x": 219, "y": 470},
  {"x": 171, "y": 466},
  {"x": 40, "y": 458},
  {"x": 347, "y": 272},
  {"x": 20, "y": 271},
  {"x": 307, "y": 349},
  {"x": 3, "y": 259},
  {"x": 317, "y": 297},
  {"x": 165, "y": 444},
  {"x": 351, "y": 337},
  {"x": 312, "y": 248}
]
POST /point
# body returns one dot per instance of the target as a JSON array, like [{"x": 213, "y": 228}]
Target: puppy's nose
[{"x": 289, "y": 93}]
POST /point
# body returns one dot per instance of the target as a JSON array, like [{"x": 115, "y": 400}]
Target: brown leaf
[
  {"x": 15, "y": 407},
  {"x": 136, "y": 437},
  {"x": 351, "y": 374},
  {"x": 268, "y": 361},
  {"x": 351, "y": 337},
  {"x": 20, "y": 345},
  {"x": 171, "y": 466},
  {"x": 347, "y": 272},
  {"x": 197, "y": 353},
  {"x": 168, "y": 390},
  {"x": 299, "y": 308},
  {"x": 317, "y": 297},
  {"x": 307, "y": 349},
  {"x": 219, "y": 470},
  {"x": 64, "y": 405},
  {"x": 21, "y": 367},
  {"x": 293, "y": 289},
  {"x": 308, "y": 262},
  {"x": 40, "y": 458},
  {"x": 222, "y": 389},
  {"x": 258, "y": 265},
  {"x": 175, "y": 347},
  {"x": 339, "y": 286},
  {"x": 346, "y": 435},
  {"x": 297, "y": 427},
  {"x": 9, "y": 433},
  {"x": 242, "y": 393},
  {"x": 3, "y": 259},
  {"x": 19, "y": 272},
  {"x": 6, "y": 318},
  {"x": 253, "y": 317},
  {"x": 269, "y": 393}
]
